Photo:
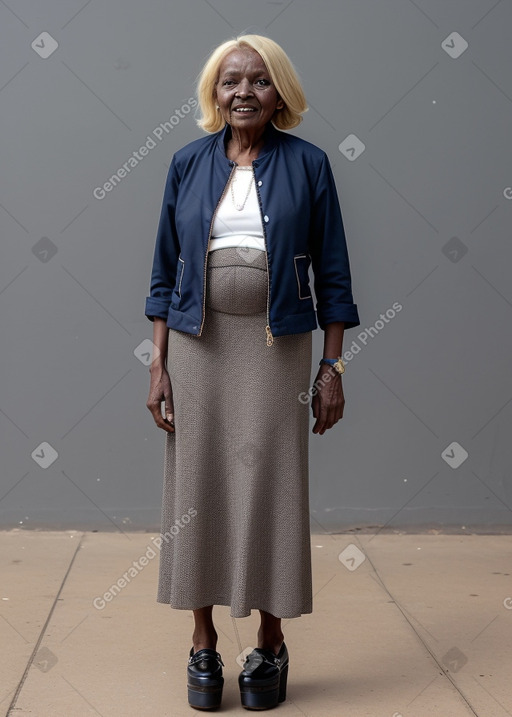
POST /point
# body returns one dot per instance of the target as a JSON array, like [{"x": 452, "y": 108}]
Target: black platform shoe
[
  {"x": 263, "y": 679},
  {"x": 204, "y": 679}
]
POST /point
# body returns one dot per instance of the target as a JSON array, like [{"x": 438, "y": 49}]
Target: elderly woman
[{"x": 245, "y": 212}]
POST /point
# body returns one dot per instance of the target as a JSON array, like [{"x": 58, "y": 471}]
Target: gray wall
[{"x": 427, "y": 208}]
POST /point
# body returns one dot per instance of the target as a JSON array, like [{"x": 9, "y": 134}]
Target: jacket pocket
[
  {"x": 301, "y": 262},
  {"x": 176, "y": 294},
  {"x": 179, "y": 275}
]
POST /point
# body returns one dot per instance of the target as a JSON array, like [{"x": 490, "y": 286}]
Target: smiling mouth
[{"x": 244, "y": 110}]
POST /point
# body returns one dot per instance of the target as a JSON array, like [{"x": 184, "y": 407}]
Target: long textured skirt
[{"x": 235, "y": 511}]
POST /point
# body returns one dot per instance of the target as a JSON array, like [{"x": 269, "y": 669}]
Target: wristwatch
[{"x": 337, "y": 364}]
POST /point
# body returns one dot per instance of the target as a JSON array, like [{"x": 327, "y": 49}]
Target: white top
[{"x": 238, "y": 218}]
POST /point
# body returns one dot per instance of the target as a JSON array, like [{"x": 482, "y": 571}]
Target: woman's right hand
[{"x": 160, "y": 390}]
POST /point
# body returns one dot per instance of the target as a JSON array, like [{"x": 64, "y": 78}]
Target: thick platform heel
[
  {"x": 282, "y": 684},
  {"x": 263, "y": 679},
  {"x": 204, "y": 679}
]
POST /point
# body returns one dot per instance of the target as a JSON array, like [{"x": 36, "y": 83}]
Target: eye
[
  {"x": 228, "y": 82},
  {"x": 262, "y": 82}
]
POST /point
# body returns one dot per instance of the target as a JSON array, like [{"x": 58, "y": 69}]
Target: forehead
[{"x": 243, "y": 60}]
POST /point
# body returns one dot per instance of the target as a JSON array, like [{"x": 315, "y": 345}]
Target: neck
[{"x": 246, "y": 142}]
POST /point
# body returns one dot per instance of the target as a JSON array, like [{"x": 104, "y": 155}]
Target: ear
[{"x": 280, "y": 104}]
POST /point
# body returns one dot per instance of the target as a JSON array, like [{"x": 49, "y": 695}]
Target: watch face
[{"x": 340, "y": 368}]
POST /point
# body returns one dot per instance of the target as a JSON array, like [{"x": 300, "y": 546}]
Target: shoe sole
[
  {"x": 203, "y": 697},
  {"x": 261, "y": 696}
]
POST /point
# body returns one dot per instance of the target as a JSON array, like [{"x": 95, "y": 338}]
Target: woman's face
[{"x": 244, "y": 82}]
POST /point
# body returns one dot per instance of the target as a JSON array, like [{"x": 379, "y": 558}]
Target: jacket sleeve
[
  {"x": 329, "y": 255},
  {"x": 167, "y": 249}
]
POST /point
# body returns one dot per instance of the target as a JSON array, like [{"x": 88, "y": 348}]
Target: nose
[{"x": 244, "y": 88}]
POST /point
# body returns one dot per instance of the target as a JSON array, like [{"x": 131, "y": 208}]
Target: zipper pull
[{"x": 270, "y": 338}]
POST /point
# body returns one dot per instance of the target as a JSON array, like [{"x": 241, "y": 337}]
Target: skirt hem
[{"x": 239, "y": 613}]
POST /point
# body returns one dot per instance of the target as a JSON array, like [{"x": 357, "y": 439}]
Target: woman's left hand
[{"x": 328, "y": 400}]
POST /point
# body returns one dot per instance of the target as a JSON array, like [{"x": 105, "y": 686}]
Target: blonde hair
[{"x": 280, "y": 69}]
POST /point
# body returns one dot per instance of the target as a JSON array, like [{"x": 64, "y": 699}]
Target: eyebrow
[{"x": 232, "y": 71}]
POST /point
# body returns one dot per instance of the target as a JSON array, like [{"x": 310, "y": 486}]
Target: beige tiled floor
[{"x": 411, "y": 625}]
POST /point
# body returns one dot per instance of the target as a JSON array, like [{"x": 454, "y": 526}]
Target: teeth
[{"x": 244, "y": 109}]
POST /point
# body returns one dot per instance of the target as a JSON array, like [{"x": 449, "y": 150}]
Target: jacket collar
[{"x": 271, "y": 138}]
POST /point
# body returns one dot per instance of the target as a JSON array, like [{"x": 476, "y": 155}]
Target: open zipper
[{"x": 268, "y": 332}]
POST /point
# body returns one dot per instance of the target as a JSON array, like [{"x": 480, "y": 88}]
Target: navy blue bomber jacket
[{"x": 302, "y": 225}]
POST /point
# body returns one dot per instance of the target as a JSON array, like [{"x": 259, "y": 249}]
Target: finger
[
  {"x": 169, "y": 402},
  {"x": 319, "y": 426},
  {"x": 169, "y": 408},
  {"x": 334, "y": 416},
  {"x": 334, "y": 410},
  {"x": 156, "y": 411},
  {"x": 318, "y": 422},
  {"x": 316, "y": 413},
  {"x": 166, "y": 425},
  {"x": 169, "y": 414}
]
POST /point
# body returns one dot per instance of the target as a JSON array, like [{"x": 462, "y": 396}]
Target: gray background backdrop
[{"x": 427, "y": 210}]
